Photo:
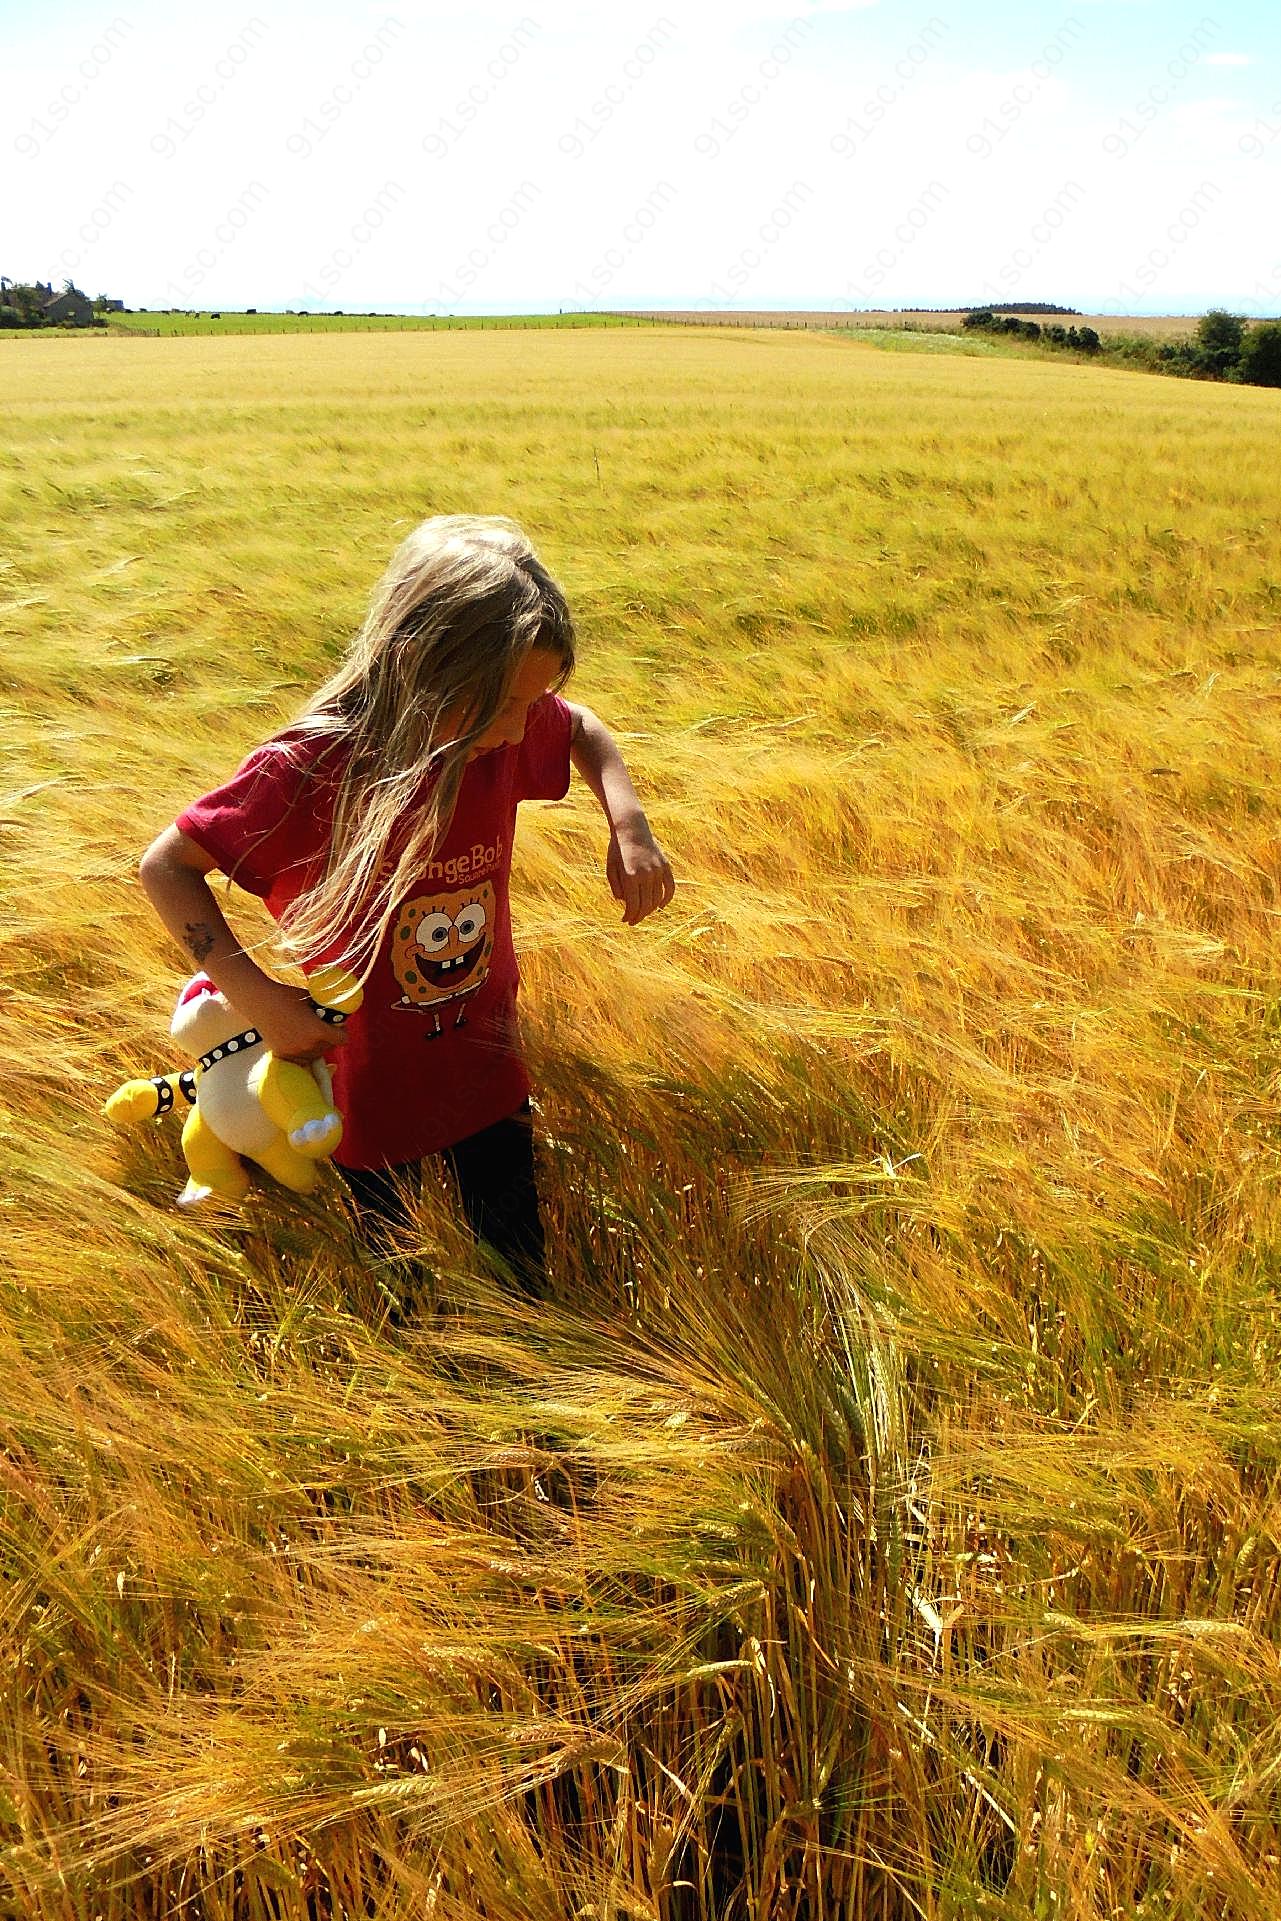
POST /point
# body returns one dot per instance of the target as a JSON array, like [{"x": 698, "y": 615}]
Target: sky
[{"x": 1116, "y": 156}]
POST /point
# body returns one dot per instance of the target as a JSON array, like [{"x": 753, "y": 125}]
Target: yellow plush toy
[{"x": 280, "y": 1114}]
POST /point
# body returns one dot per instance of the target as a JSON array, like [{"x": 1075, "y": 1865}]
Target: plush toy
[{"x": 280, "y": 1114}]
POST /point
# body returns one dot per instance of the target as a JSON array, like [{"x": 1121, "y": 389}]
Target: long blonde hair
[{"x": 462, "y": 602}]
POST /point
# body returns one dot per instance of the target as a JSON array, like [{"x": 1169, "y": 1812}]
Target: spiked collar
[
  {"x": 236, "y": 1045},
  {"x": 334, "y": 1016}
]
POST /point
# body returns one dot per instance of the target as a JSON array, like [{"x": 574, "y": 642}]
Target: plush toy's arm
[
  {"x": 333, "y": 990},
  {"x": 150, "y": 1100}
]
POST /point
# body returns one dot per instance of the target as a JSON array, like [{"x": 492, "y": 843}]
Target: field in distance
[
  {"x": 1157, "y": 326},
  {"x": 228, "y": 321}
]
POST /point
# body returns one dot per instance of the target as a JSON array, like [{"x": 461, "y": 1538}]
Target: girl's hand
[
  {"x": 638, "y": 874},
  {"x": 294, "y": 1031}
]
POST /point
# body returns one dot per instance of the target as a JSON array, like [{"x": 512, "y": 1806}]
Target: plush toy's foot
[
  {"x": 317, "y": 1138},
  {"x": 199, "y": 1193},
  {"x": 216, "y": 1208},
  {"x": 292, "y": 1097},
  {"x": 286, "y": 1165},
  {"x": 212, "y": 1166}
]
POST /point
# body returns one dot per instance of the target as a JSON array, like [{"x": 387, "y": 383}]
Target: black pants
[{"x": 496, "y": 1178}]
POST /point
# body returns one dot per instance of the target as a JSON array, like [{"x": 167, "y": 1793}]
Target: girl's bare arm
[
  {"x": 636, "y": 866},
  {"x": 172, "y": 872}
]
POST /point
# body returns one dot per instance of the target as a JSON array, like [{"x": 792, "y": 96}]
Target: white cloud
[{"x": 1226, "y": 60}]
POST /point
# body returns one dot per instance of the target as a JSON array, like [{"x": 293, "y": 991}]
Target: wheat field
[{"x": 882, "y": 1519}]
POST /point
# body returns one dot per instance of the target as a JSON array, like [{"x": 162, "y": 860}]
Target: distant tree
[
  {"x": 998, "y": 321},
  {"x": 23, "y": 305},
  {"x": 1219, "y": 335},
  {"x": 1182, "y": 356},
  {"x": 1000, "y": 306},
  {"x": 1260, "y": 362}
]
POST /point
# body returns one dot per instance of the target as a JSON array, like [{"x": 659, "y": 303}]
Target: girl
[{"x": 377, "y": 827}]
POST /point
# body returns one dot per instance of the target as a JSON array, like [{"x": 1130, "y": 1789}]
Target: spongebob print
[{"x": 440, "y": 951}]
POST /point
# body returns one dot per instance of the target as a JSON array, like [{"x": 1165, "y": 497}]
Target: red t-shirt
[{"x": 433, "y": 1053}]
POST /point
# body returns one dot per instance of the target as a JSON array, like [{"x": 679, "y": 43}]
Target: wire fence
[{"x": 336, "y": 323}]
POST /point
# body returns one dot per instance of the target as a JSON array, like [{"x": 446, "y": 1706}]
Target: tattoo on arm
[{"x": 199, "y": 938}]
